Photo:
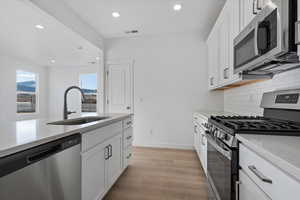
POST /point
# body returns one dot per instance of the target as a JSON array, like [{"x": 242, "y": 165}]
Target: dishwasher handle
[{"x": 43, "y": 154}]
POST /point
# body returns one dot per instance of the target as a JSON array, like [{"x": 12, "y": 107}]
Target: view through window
[
  {"x": 26, "y": 92},
  {"x": 88, "y": 82}
]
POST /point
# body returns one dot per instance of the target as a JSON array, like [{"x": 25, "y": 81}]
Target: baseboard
[{"x": 166, "y": 146}]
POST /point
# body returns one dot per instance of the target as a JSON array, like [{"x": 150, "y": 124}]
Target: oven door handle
[{"x": 224, "y": 151}]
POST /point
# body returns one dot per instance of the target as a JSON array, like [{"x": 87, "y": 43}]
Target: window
[
  {"x": 88, "y": 83},
  {"x": 26, "y": 92}
]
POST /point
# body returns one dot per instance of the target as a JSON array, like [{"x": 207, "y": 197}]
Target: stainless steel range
[{"x": 281, "y": 117}]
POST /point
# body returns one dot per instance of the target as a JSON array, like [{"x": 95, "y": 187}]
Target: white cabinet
[
  {"x": 271, "y": 180},
  {"x": 224, "y": 21},
  {"x": 249, "y": 9},
  {"x": 200, "y": 141},
  {"x": 248, "y": 190},
  {"x": 213, "y": 58},
  {"x": 103, "y": 155},
  {"x": 114, "y": 162},
  {"x": 220, "y": 46},
  {"x": 127, "y": 141},
  {"x": 94, "y": 168}
]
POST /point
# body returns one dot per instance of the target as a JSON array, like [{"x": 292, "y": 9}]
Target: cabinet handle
[
  {"x": 128, "y": 156},
  {"x": 128, "y": 137},
  {"x": 258, "y": 5},
  {"x": 237, "y": 183},
  {"x": 259, "y": 174},
  {"x": 254, "y": 6},
  {"x": 109, "y": 151},
  {"x": 106, "y": 153},
  {"x": 211, "y": 81},
  {"x": 195, "y": 129},
  {"x": 225, "y": 73},
  {"x": 202, "y": 139}
]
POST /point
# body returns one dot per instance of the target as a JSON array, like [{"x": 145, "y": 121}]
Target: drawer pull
[
  {"x": 259, "y": 174},
  {"x": 128, "y": 156},
  {"x": 129, "y": 137}
]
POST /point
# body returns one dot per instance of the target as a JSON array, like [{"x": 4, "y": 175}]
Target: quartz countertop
[
  {"x": 281, "y": 151},
  {"x": 207, "y": 113},
  {"x": 17, "y": 136}
]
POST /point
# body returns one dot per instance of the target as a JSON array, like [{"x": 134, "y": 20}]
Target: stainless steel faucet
[{"x": 66, "y": 112}]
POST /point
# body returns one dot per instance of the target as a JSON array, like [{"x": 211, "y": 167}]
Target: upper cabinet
[
  {"x": 234, "y": 17},
  {"x": 220, "y": 45}
]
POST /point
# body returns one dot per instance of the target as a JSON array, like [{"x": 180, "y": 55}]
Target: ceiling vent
[{"x": 132, "y": 32}]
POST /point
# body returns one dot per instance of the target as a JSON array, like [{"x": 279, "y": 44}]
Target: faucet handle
[{"x": 71, "y": 112}]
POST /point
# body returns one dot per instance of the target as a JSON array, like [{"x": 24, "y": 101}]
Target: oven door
[
  {"x": 219, "y": 169},
  {"x": 260, "y": 41}
]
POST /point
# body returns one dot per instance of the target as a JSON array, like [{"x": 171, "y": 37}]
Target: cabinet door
[
  {"x": 248, "y": 190},
  {"x": 213, "y": 58},
  {"x": 114, "y": 167},
  {"x": 224, "y": 44},
  {"x": 248, "y": 11},
  {"x": 94, "y": 172}
]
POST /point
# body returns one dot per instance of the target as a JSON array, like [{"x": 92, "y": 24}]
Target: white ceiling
[
  {"x": 150, "y": 17},
  {"x": 20, "y": 38}
]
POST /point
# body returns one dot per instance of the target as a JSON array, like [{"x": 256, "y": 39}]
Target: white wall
[
  {"x": 60, "y": 78},
  {"x": 170, "y": 83},
  {"x": 246, "y": 100},
  {"x": 8, "y": 67}
]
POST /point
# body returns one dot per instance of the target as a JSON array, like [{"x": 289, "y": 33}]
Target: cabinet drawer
[
  {"x": 248, "y": 190},
  {"x": 127, "y": 123},
  {"x": 92, "y": 138},
  {"x": 274, "y": 182},
  {"x": 128, "y": 137},
  {"x": 127, "y": 156}
]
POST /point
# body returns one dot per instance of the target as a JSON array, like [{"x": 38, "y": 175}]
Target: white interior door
[{"x": 120, "y": 87}]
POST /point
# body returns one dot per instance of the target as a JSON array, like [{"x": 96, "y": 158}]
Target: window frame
[
  {"x": 37, "y": 94},
  {"x": 97, "y": 93}
]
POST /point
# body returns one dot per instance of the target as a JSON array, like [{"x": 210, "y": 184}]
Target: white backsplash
[{"x": 245, "y": 100}]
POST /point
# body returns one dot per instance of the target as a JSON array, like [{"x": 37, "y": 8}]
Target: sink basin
[{"x": 78, "y": 121}]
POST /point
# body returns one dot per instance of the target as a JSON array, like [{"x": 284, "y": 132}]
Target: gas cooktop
[{"x": 256, "y": 124}]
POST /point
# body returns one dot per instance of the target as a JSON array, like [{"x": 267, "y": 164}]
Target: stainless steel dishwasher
[{"x": 51, "y": 171}]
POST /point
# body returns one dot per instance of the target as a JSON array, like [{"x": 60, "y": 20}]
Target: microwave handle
[
  {"x": 256, "y": 40},
  {"x": 297, "y": 34}
]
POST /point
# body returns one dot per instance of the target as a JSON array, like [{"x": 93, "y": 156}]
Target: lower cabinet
[
  {"x": 114, "y": 162},
  {"x": 248, "y": 190},
  {"x": 200, "y": 142},
  {"x": 103, "y": 163}
]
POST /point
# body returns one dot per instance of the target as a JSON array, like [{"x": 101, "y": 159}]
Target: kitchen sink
[{"x": 78, "y": 121}]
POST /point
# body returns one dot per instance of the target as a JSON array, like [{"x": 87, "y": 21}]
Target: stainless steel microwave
[{"x": 267, "y": 43}]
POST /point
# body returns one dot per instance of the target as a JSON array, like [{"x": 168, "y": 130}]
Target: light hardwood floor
[{"x": 161, "y": 174}]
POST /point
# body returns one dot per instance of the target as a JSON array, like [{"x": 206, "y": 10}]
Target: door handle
[
  {"x": 128, "y": 107},
  {"x": 259, "y": 174},
  {"x": 225, "y": 73},
  {"x": 128, "y": 156},
  {"x": 129, "y": 137}
]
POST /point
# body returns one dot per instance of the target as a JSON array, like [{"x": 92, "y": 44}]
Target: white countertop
[
  {"x": 20, "y": 135},
  {"x": 207, "y": 113},
  {"x": 281, "y": 151}
]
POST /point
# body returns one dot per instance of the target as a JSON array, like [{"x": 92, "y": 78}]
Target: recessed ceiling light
[
  {"x": 177, "y": 7},
  {"x": 52, "y": 61},
  {"x": 38, "y": 26},
  {"x": 116, "y": 14}
]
